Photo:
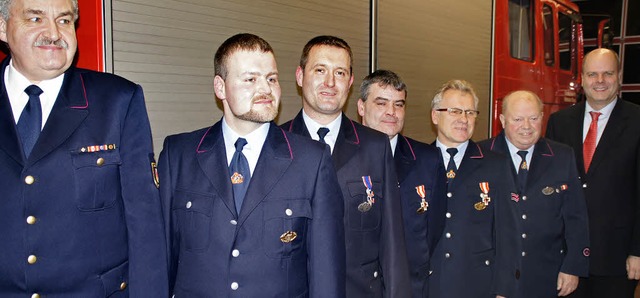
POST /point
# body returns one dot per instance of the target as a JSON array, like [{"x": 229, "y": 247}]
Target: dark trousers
[{"x": 605, "y": 287}]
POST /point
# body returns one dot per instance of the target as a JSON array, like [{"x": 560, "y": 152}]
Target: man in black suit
[
  {"x": 604, "y": 132},
  {"x": 476, "y": 256},
  {"x": 552, "y": 213},
  {"x": 419, "y": 168},
  {"x": 376, "y": 256}
]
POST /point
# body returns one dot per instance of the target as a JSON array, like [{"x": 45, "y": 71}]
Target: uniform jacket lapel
[
  {"x": 275, "y": 158},
  {"x": 469, "y": 162},
  {"x": 405, "y": 158},
  {"x": 212, "y": 159},
  {"x": 541, "y": 161},
  {"x": 499, "y": 145},
  {"x": 347, "y": 143}
]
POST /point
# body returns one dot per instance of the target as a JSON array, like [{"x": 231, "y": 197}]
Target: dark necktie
[
  {"x": 240, "y": 173},
  {"x": 322, "y": 132},
  {"x": 451, "y": 166},
  {"x": 589, "y": 145},
  {"x": 30, "y": 122},
  {"x": 523, "y": 170}
]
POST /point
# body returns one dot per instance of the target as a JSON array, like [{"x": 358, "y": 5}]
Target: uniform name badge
[
  {"x": 424, "y": 205},
  {"x": 366, "y": 206},
  {"x": 484, "y": 195}
]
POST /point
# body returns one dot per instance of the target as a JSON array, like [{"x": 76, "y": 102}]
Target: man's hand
[
  {"x": 567, "y": 283},
  {"x": 633, "y": 267}
]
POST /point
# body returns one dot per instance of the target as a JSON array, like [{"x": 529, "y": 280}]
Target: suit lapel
[
  {"x": 212, "y": 158},
  {"x": 575, "y": 128},
  {"x": 9, "y": 141},
  {"x": 405, "y": 158},
  {"x": 347, "y": 143},
  {"x": 612, "y": 132},
  {"x": 541, "y": 161},
  {"x": 297, "y": 126},
  {"x": 69, "y": 111},
  {"x": 275, "y": 158},
  {"x": 469, "y": 162},
  {"x": 499, "y": 145}
]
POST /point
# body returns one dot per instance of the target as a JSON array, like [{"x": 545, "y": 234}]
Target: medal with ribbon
[
  {"x": 424, "y": 205},
  {"x": 366, "y": 206},
  {"x": 484, "y": 187}
]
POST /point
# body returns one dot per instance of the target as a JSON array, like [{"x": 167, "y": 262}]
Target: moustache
[
  {"x": 48, "y": 42},
  {"x": 261, "y": 97}
]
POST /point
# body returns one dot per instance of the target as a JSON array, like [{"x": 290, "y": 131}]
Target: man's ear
[
  {"x": 3, "y": 29},
  {"x": 218, "y": 88},
  {"x": 299, "y": 75}
]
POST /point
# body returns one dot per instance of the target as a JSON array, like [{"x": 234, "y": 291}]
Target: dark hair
[
  {"x": 238, "y": 42},
  {"x": 325, "y": 40},
  {"x": 383, "y": 78}
]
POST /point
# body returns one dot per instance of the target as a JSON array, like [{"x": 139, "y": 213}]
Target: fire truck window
[
  {"x": 520, "y": 29},
  {"x": 631, "y": 71},
  {"x": 549, "y": 33},
  {"x": 564, "y": 41}
]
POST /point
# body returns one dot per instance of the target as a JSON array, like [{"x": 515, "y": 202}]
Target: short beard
[{"x": 259, "y": 117}]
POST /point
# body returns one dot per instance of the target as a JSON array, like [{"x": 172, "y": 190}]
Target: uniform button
[
  {"x": 524, "y": 253},
  {"x": 449, "y": 195},
  {"x": 29, "y": 180},
  {"x": 562, "y": 251},
  {"x": 375, "y": 274},
  {"x": 584, "y": 185},
  {"x": 100, "y": 161},
  {"x": 486, "y": 262},
  {"x": 31, "y": 220},
  {"x": 233, "y": 222},
  {"x": 234, "y": 285},
  {"x": 448, "y": 235},
  {"x": 235, "y": 253},
  {"x": 123, "y": 286},
  {"x": 32, "y": 259},
  {"x": 524, "y": 198},
  {"x": 447, "y": 255},
  {"x": 35, "y": 295},
  {"x": 524, "y": 235},
  {"x": 524, "y": 216},
  {"x": 288, "y": 212},
  {"x": 448, "y": 215},
  {"x": 189, "y": 204}
]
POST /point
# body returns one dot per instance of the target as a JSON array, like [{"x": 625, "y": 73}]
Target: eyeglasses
[{"x": 455, "y": 112}]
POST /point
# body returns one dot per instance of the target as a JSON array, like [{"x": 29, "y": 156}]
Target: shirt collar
[
  {"x": 606, "y": 111},
  {"x": 394, "y": 143},
  {"x": 313, "y": 126}
]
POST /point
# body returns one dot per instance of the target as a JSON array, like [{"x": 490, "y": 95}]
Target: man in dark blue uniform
[
  {"x": 252, "y": 210},
  {"x": 476, "y": 256},
  {"x": 552, "y": 209},
  {"x": 80, "y": 214},
  {"x": 419, "y": 168},
  {"x": 376, "y": 256}
]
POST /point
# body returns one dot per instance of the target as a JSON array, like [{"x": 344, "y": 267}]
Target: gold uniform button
[
  {"x": 123, "y": 286},
  {"x": 100, "y": 161},
  {"x": 32, "y": 259},
  {"x": 31, "y": 220},
  {"x": 29, "y": 180},
  {"x": 35, "y": 295}
]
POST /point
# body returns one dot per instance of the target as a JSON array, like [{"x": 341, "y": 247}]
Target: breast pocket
[
  {"x": 285, "y": 226},
  {"x": 97, "y": 179},
  {"x": 361, "y": 219},
  {"x": 192, "y": 218}
]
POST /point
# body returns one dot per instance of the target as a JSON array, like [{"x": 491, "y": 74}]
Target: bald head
[{"x": 522, "y": 118}]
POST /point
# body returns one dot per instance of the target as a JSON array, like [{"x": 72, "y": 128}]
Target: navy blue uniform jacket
[
  {"x": 97, "y": 220},
  {"x": 375, "y": 247},
  {"x": 612, "y": 185},
  {"x": 552, "y": 215},
  {"x": 293, "y": 188},
  {"x": 476, "y": 256},
  {"x": 420, "y": 164}
]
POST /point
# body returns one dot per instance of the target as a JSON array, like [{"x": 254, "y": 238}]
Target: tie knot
[
  {"x": 523, "y": 154},
  {"x": 452, "y": 151},
  {"x": 33, "y": 90},
  {"x": 322, "y": 132},
  {"x": 240, "y": 142},
  {"x": 595, "y": 115}
]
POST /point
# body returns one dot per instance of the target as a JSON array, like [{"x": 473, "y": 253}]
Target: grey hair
[
  {"x": 457, "y": 85},
  {"x": 5, "y": 9},
  {"x": 383, "y": 78}
]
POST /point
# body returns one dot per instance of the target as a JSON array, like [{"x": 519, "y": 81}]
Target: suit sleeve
[
  {"x": 143, "y": 214},
  {"x": 576, "y": 232},
  {"x": 326, "y": 240},
  {"x": 508, "y": 243},
  {"x": 635, "y": 238},
  {"x": 393, "y": 253}
]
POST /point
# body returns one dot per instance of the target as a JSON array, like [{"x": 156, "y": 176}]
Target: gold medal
[
  {"x": 288, "y": 236},
  {"x": 547, "y": 191},
  {"x": 479, "y": 206},
  {"x": 364, "y": 207},
  {"x": 423, "y": 203}
]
